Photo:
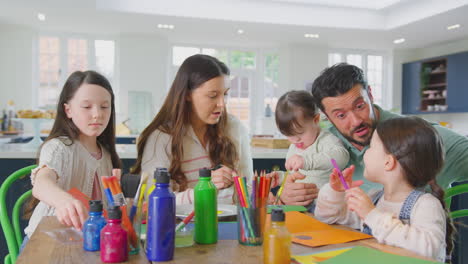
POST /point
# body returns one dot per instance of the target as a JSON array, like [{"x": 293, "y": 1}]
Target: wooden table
[{"x": 42, "y": 248}]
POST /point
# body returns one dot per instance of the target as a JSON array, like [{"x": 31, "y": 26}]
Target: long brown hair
[
  {"x": 64, "y": 126},
  {"x": 418, "y": 148},
  {"x": 174, "y": 118}
]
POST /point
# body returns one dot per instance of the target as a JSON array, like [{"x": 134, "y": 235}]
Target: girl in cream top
[
  {"x": 68, "y": 161},
  {"x": 79, "y": 150}
]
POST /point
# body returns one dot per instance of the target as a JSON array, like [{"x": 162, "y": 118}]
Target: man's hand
[
  {"x": 298, "y": 193},
  {"x": 274, "y": 179}
]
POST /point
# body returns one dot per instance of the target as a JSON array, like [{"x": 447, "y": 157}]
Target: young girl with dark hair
[
  {"x": 79, "y": 149},
  {"x": 405, "y": 155}
]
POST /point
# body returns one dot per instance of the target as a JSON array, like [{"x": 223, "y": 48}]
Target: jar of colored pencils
[
  {"x": 251, "y": 207},
  {"x": 250, "y": 222}
]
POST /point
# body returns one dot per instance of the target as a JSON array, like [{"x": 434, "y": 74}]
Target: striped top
[{"x": 157, "y": 153}]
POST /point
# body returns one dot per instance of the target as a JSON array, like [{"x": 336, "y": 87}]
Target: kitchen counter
[{"x": 125, "y": 151}]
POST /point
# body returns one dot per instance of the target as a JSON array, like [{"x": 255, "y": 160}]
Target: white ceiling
[{"x": 356, "y": 24}]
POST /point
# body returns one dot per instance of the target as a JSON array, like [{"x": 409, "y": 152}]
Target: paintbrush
[
  {"x": 278, "y": 195},
  {"x": 133, "y": 210},
  {"x": 185, "y": 221}
]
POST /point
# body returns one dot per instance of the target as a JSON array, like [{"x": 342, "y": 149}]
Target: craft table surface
[{"x": 42, "y": 248}]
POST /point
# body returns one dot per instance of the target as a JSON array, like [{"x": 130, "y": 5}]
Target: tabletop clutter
[{"x": 117, "y": 230}]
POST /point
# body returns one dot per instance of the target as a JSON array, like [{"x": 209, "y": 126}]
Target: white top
[
  {"x": 157, "y": 153},
  {"x": 75, "y": 168},
  {"x": 317, "y": 158},
  {"x": 425, "y": 234}
]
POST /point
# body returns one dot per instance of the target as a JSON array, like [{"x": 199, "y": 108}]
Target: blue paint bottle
[
  {"x": 160, "y": 234},
  {"x": 92, "y": 227}
]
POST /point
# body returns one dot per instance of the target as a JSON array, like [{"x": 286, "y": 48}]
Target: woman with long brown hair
[{"x": 193, "y": 131}]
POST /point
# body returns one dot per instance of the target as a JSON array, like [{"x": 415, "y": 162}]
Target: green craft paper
[
  {"x": 287, "y": 208},
  {"x": 365, "y": 255}
]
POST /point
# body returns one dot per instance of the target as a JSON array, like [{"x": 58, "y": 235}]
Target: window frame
[
  {"x": 256, "y": 111},
  {"x": 63, "y": 64},
  {"x": 386, "y": 100}
]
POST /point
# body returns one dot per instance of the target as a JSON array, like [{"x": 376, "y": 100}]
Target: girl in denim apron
[{"x": 405, "y": 155}]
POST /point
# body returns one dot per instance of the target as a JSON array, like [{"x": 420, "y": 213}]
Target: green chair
[
  {"x": 452, "y": 191},
  {"x": 13, "y": 235}
]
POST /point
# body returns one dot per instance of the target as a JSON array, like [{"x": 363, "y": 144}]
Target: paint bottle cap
[
  {"x": 161, "y": 175},
  {"x": 205, "y": 172},
  {"x": 95, "y": 206},
  {"x": 277, "y": 215},
  {"x": 114, "y": 212}
]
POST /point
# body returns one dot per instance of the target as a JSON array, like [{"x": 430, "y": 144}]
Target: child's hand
[
  {"x": 222, "y": 177},
  {"x": 359, "y": 202},
  {"x": 335, "y": 181},
  {"x": 71, "y": 212},
  {"x": 294, "y": 163}
]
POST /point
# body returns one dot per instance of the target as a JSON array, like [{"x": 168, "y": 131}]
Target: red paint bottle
[{"x": 114, "y": 246}]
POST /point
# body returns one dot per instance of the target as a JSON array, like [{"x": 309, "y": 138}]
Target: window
[
  {"x": 271, "y": 79},
  {"x": 371, "y": 64},
  {"x": 245, "y": 72},
  {"x": 60, "y": 56},
  {"x": 49, "y": 74}
]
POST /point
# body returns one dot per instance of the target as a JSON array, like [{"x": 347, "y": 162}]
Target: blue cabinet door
[
  {"x": 457, "y": 82},
  {"x": 411, "y": 92}
]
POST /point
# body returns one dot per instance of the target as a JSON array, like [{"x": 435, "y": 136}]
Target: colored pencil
[{"x": 340, "y": 174}]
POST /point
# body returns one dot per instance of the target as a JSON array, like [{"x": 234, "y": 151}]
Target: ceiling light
[
  {"x": 399, "y": 41},
  {"x": 453, "y": 27},
  {"x": 41, "y": 16},
  {"x": 165, "y": 26},
  {"x": 311, "y": 35},
  {"x": 240, "y": 31}
]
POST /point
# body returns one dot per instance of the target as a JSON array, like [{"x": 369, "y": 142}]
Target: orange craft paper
[{"x": 309, "y": 231}]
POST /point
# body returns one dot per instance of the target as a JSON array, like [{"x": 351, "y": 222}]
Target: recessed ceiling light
[
  {"x": 41, "y": 16},
  {"x": 399, "y": 41},
  {"x": 240, "y": 31},
  {"x": 311, "y": 35},
  {"x": 453, "y": 27},
  {"x": 166, "y": 26}
]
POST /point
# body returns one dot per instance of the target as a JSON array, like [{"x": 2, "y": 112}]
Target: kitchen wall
[
  {"x": 458, "y": 120},
  {"x": 144, "y": 62},
  {"x": 16, "y": 65}
]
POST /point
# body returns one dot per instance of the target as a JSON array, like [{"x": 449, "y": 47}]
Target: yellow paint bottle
[{"x": 277, "y": 240}]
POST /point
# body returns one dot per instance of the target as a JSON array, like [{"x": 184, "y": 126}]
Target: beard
[{"x": 365, "y": 140}]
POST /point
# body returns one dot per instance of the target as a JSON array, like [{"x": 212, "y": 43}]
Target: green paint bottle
[{"x": 206, "y": 209}]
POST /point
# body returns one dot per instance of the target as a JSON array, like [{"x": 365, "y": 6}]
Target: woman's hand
[
  {"x": 336, "y": 183},
  {"x": 359, "y": 202},
  {"x": 71, "y": 212},
  {"x": 294, "y": 163},
  {"x": 222, "y": 177}
]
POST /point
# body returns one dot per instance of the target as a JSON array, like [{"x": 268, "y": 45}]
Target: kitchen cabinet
[{"x": 435, "y": 85}]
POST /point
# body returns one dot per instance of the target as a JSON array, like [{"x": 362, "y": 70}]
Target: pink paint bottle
[{"x": 114, "y": 246}]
